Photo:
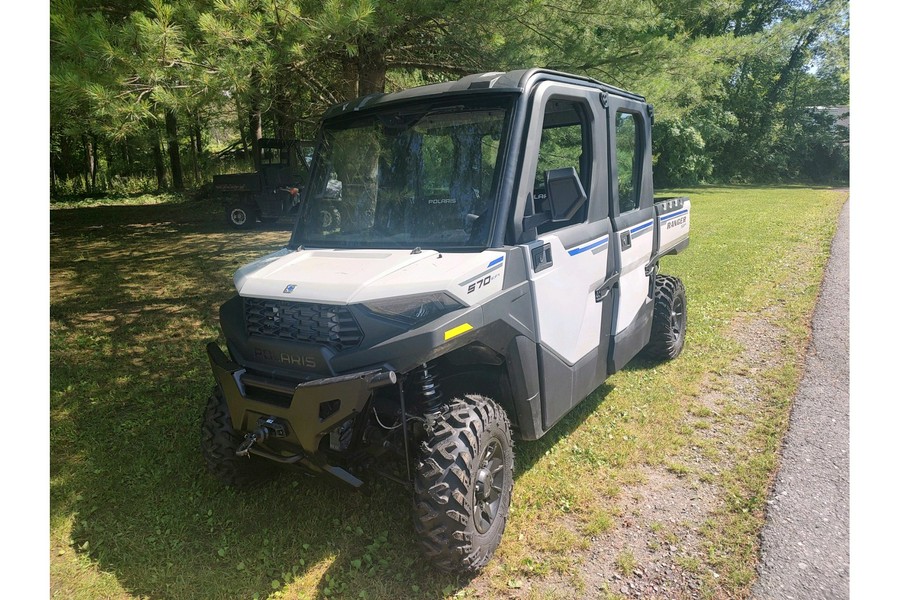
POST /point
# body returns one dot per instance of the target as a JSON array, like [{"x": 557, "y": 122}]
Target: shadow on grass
[
  {"x": 134, "y": 297},
  {"x": 209, "y": 213}
]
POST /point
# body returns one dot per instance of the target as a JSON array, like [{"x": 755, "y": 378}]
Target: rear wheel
[
  {"x": 669, "y": 319},
  {"x": 464, "y": 484},
  {"x": 218, "y": 443},
  {"x": 240, "y": 216}
]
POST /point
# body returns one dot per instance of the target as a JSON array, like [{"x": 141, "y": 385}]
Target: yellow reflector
[{"x": 451, "y": 333}]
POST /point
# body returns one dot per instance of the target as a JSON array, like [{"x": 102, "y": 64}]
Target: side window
[
  {"x": 627, "y": 157},
  {"x": 564, "y": 143},
  {"x": 269, "y": 156}
]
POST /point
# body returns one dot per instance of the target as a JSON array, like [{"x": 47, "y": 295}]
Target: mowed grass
[{"x": 135, "y": 292}]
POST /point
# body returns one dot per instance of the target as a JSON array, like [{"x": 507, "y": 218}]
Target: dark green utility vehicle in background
[{"x": 273, "y": 191}]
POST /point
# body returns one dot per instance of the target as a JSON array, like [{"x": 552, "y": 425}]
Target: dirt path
[
  {"x": 666, "y": 538},
  {"x": 806, "y": 540},
  {"x": 664, "y": 546}
]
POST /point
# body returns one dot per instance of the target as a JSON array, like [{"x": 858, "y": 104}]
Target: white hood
[{"x": 351, "y": 276}]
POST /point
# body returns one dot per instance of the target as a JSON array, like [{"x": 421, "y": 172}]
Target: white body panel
[
  {"x": 674, "y": 227},
  {"x": 350, "y": 276},
  {"x": 634, "y": 283},
  {"x": 568, "y": 317}
]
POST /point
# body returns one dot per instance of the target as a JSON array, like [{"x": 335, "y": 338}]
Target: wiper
[
  {"x": 408, "y": 120},
  {"x": 400, "y": 121}
]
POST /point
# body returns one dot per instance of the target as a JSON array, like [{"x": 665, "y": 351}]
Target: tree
[
  {"x": 74, "y": 67},
  {"x": 731, "y": 81},
  {"x": 773, "y": 86}
]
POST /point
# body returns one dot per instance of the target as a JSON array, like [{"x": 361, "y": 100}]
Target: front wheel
[
  {"x": 240, "y": 216},
  {"x": 463, "y": 485},
  {"x": 669, "y": 319}
]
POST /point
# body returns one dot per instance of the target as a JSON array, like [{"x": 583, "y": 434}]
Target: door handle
[
  {"x": 626, "y": 239},
  {"x": 603, "y": 291}
]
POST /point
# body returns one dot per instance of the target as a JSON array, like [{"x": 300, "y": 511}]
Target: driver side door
[{"x": 570, "y": 261}]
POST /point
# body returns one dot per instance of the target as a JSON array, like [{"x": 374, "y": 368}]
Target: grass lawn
[{"x": 135, "y": 291}]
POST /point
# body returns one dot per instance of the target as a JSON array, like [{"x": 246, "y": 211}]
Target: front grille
[{"x": 324, "y": 324}]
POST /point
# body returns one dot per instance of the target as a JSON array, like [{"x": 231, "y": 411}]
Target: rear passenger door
[{"x": 631, "y": 209}]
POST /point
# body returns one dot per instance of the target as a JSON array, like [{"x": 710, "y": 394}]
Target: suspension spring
[{"x": 424, "y": 382}]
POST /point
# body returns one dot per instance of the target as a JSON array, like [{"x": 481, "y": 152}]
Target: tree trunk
[
  {"x": 66, "y": 159},
  {"x": 110, "y": 166},
  {"x": 193, "y": 147},
  {"x": 198, "y": 149},
  {"x": 255, "y": 119},
  {"x": 793, "y": 64},
  {"x": 90, "y": 175},
  {"x": 372, "y": 70},
  {"x": 240, "y": 123},
  {"x": 198, "y": 136},
  {"x": 255, "y": 122},
  {"x": 788, "y": 70},
  {"x": 126, "y": 158},
  {"x": 174, "y": 154},
  {"x": 286, "y": 121},
  {"x": 349, "y": 85},
  {"x": 96, "y": 147},
  {"x": 158, "y": 163}
]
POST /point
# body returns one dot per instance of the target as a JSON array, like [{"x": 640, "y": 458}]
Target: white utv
[{"x": 472, "y": 259}]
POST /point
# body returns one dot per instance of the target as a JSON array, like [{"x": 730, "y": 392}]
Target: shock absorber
[{"x": 428, "y": 389}]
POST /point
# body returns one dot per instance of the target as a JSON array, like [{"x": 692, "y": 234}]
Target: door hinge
[{"x": 541, "y": 258}]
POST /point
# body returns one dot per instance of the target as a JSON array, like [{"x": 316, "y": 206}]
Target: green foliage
[
  {"x": 731, "y": 81},
  {"x": 772, "y": 87},
  {"x": 680, "y": 154}
]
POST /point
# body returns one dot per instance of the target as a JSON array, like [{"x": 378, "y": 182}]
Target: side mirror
[{"x": 564, "y": 192}]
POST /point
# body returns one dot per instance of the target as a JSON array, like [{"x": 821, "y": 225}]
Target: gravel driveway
[{"x": 806, "y": 539}]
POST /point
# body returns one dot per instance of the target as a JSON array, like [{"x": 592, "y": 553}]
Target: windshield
[{"x": 421, "y": 176}]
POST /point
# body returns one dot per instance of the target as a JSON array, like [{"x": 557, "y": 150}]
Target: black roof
[{"x": 496, "y": 82}]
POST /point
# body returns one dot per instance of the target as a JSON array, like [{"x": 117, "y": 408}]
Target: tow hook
[{"x": 267, "y": 427}]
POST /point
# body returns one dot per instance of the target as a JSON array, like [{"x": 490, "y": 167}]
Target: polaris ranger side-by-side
[{"x": 489, "y": 257}]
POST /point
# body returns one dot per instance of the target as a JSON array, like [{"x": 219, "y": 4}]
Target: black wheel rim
[
  {"x": 677, "y": 319},
  {"x": 238, "y": 216},
  {"x": 489, "y": 482}
]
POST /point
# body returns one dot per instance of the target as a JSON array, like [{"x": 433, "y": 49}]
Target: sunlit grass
[{"x": 136, "y": 199}]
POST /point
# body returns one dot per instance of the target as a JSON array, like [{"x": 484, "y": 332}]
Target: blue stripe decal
[
  {"x": 600, "y": 242},
  {"x": 495, "y": 262},
  {"x": 673, "y": 215},
  {"x": 642, "y": 227}
]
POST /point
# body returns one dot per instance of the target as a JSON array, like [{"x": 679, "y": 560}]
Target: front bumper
[{"x": 310, "y": 410}]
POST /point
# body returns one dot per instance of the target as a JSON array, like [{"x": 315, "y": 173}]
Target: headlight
[{"x": 414, "y": 310}]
